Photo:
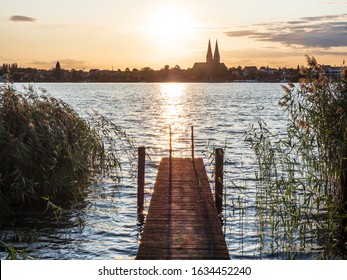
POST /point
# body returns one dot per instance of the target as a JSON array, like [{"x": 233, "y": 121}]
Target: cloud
[
  {"x": 333, "y": 3},
  {"x": 18, "y": 18},
  {"x": 278, "y": 57},
  {"x": 65, "y": 63},
  {"x": 72, "y": 63},
  {"x": 310, "y": 32},
  {"x": 324, "y": 18}
]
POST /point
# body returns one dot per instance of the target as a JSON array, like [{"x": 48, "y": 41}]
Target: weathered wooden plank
[{"x": 182, "y": 220}]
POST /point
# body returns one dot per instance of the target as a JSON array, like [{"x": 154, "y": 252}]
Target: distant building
[
  {"x": 249, "y": 70},
  {"x": 212, "y": 69},
  {"x": 5, "y": 77},
  {"x": 331, "y": 72}
]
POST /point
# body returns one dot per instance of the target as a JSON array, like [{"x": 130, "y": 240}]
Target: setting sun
[{"x": 169, "y": 23}]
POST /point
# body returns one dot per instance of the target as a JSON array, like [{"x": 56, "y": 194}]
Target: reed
[
  {"x": 300, "y": 196},
  {"x": 49, "y": 154},
  {"x": 13, "y": 253}
]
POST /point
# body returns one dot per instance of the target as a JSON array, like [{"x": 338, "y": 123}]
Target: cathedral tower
[
  {"x": 216, "y": 57},
  {"x": 209, "y": 57}
]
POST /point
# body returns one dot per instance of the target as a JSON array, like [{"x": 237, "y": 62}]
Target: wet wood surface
[{"x": 182, "y": 220}]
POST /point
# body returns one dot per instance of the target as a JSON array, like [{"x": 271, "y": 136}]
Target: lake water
[{"x": 220, "y": 114}]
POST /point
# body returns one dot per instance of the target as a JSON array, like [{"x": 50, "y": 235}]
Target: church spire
[
  {"x": 216, "y": 57},
  {"x": 209, "y": 57}
]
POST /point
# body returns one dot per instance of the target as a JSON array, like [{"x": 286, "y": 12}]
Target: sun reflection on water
[
  {"x": 173, "y": 99},
  {"x": 174, "y": 112},
  {"x": 173, "y": 92}
]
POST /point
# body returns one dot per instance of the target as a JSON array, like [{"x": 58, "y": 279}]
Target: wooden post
[
  {"x": 219, "y": 161},
  {"x": 170, "y": 160},
  {"x": 193, "y": 144},
  {"x": 141, "y": 178},
  {"x": 170, "y": 147}
]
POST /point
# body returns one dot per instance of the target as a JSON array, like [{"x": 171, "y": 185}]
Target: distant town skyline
[{"x": 110, "y": 34}]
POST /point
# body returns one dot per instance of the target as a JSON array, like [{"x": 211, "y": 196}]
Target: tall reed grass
[
  {"x": 48, "y": 152},
  {"x": 301, "y": 194}
]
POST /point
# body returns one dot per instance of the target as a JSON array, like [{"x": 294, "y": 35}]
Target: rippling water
[{"x": 220, "y": 114}]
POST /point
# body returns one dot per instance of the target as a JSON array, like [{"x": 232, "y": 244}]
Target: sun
[{"x": 169, "y": 23}]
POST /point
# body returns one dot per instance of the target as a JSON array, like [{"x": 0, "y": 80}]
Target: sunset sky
[{"x": 106, "y": 34}]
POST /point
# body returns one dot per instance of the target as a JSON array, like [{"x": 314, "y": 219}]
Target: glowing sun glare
[
  {"x": 169, "y": 23},
  {"x": 173, "y": 94}
]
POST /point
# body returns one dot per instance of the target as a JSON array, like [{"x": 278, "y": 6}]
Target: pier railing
[{"x": 218, "y": 171}]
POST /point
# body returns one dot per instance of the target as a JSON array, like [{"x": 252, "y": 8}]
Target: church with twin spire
[
  {"x": 216, "y": 57},
  {"x": 212, "y": 69}
]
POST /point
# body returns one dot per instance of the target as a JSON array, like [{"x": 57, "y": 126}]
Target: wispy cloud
[
  {"x": 333, "y": 3},
  {"x": 18, "y": 18},
  {"x": 311, "y": 32},
  {"x": 65, "y": 63},
  {"x": 88, "y": 30},
  {"x": 72, "y": 63}
]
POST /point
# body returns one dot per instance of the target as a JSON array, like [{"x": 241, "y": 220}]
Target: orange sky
[{"x": 110, "y": 34}]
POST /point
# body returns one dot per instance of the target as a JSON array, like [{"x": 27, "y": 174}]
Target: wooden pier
[{"x": 182, "y": 220}]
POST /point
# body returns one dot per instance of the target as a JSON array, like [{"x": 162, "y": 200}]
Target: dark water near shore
[{"x": 220, "y": 114}]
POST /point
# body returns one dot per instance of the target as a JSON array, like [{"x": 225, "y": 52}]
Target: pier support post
[
  {"x": 141, "y": 178},
  {"x": 192, "y": 140},
  {"x": 219, "y": 161}
]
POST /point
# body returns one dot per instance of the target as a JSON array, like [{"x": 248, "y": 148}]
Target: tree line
[{"x": 147, "y": 74}]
